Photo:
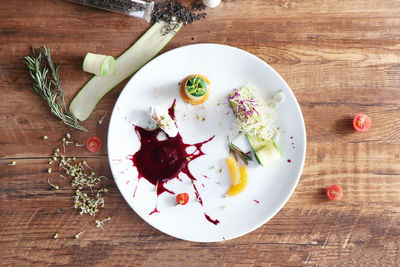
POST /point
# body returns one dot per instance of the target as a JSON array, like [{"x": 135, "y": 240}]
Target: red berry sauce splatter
[{"x": 159, "y": 161}]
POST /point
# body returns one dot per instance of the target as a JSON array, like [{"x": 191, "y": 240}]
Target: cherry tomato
[
  {"x": 93, "y": 144},
  {"x": 361, "y": 122},
  {"x": 182, "y": 199},
  {"x": 334, "y": 192}
]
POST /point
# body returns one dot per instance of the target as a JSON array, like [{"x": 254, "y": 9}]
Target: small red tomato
[
  {"x": 182, "y": 199},
  {"x": 334, "y": 192},
  {"x": 93, "y": 144},
  {"x": 361, "y": 122}
]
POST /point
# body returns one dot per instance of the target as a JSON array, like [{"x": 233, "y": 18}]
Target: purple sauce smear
[{"x": 161, "y": 160}]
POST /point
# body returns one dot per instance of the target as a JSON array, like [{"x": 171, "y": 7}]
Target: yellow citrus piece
[
  {"x": 239, "y": 187},
  {"x": 234, "y": 170}
]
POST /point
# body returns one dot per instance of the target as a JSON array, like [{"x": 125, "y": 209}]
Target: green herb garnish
[
  {"x": 46, "y": 83},
  {"x": 246, "y": 157}
]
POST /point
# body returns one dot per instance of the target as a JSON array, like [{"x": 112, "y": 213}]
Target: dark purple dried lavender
[{"x": 174, "y": 12}]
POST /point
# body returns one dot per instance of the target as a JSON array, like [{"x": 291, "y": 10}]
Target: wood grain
[{"x": 339, "y": 57}]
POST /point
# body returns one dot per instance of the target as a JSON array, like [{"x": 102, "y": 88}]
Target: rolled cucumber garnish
[
  {"x": 195, "y": 87},
  {"x": 101, "y": 65}
]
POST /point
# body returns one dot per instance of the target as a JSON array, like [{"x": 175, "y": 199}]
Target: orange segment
[
  {"x": 191, "y": 101},
  {"x": 238, "y": 188},
  {"x": 234, "y": 170}
]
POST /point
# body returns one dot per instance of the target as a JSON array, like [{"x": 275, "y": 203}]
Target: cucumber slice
[
  {"x": 99, "y": 64},
  {"x": 144, "y": 49},
  {"x": 265, "y": 151},
  {"x": 256, "y": 142},
  {"x": 268, "y": 153}
]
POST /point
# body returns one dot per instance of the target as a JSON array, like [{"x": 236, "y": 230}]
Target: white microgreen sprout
[
  {"x": 102, "y": 118},
  {"x": 87, "y": 165},
  {"x": 78, "y": 234},
  {"x": 55, "y": 236},
  {"x": 63, "y": 143},
  {"x": 44, "y": 137},
  {"x": 52, "y": 185},
  {"x": 12, "y": 163},
  {"x": 68, "y": 136},
  {"x": 77, "y": 144},
  {"x": 101, "y": 223}
]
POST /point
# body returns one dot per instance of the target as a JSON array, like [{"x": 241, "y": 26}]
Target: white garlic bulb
[{"x": 211, "y": 3}]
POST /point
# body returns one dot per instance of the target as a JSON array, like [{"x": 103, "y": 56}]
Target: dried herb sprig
[
  {"x": 246, "y": 157},
  {"x": 46, "y": 83}
]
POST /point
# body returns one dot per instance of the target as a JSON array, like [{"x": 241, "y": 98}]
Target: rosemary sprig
[
  {"x": 45, "y": 77},
  {"x": 246, "y": 157}
]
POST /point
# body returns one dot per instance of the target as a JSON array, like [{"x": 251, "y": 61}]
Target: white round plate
[{"x": 269, "y": 187}]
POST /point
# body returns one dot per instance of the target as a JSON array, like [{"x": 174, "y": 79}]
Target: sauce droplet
[
  {"x": 211, "y": 220},
  {"x": 154, "y": 211}
]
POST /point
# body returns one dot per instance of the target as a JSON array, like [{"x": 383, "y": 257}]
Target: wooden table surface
[{"x": 339, "y": 57}]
